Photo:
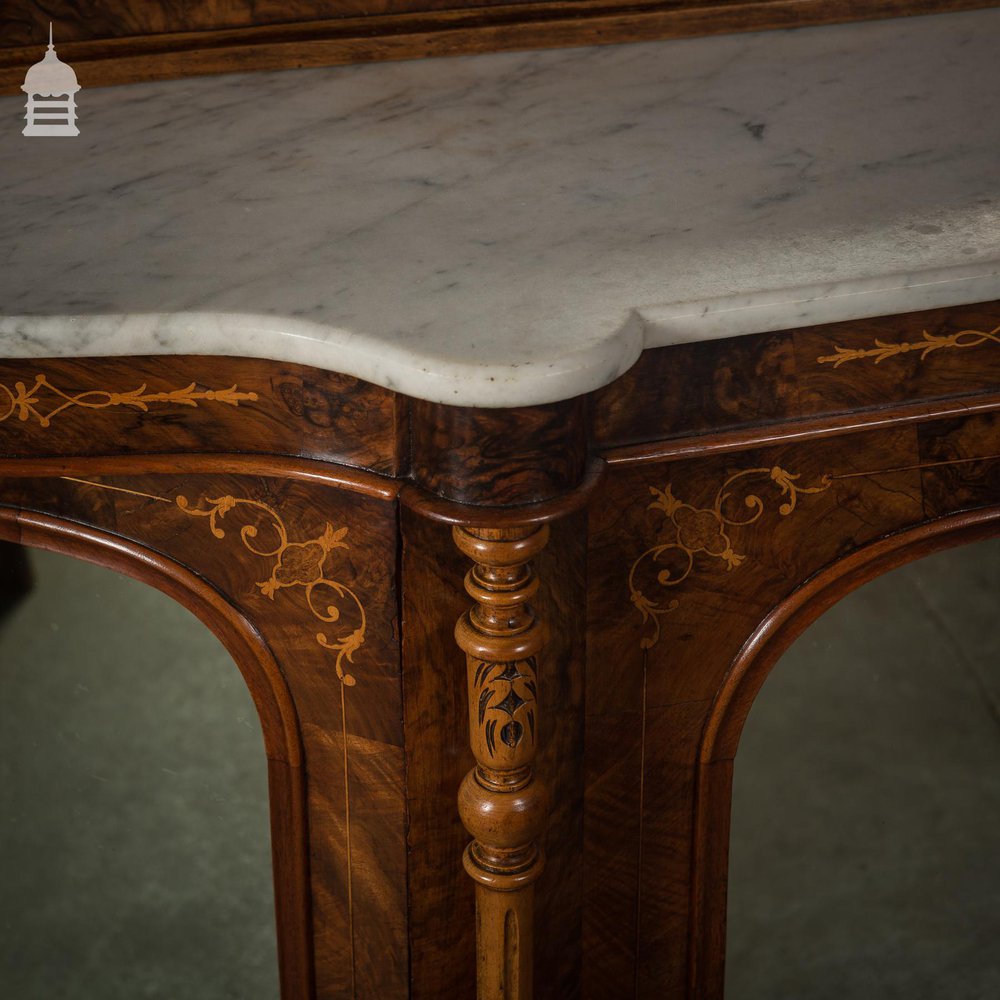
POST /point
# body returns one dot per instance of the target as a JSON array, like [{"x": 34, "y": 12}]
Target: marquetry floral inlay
[
  {"x": 43, "y": 401},
  {"x": 304, "y": 565},
  {"x": 929, "y": 343},
  {"x": 706, "y": 532}
]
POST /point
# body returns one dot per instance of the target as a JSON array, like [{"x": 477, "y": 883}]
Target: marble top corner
[{"x": 514, "y": 228}]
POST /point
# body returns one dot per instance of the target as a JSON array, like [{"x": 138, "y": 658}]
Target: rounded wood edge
[
  {"x": 334, "y": 41},
  {"x": 304, "y": 470},
  {"x": 786, "y": 622},
  {"x": 802, "y": 429},
  {"x": 731, "y": 706},
  {"x": 278, "y": 718},
  {"x": 279, "y": 721},
  {"x": 435, "y": 508}
]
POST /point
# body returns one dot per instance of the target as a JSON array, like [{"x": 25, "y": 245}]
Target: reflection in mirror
[
  {"x": 134, "y": 839},
  {"x": 865, "y": 851}
]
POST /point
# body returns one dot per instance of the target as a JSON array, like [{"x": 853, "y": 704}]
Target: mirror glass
[
  {"x": 865, "y": 850},
  {"x": 134, "y": 833}
]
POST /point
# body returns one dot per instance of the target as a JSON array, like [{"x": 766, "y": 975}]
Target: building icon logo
[{"x": 51, "y": 78}]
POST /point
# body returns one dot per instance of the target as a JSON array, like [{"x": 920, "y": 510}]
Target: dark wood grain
[
  {"x": 809, "y": 429},
  {"x": 717, "y": 608},
  {"x": 694, "y": 387},
  {"x": 952, "y": 478},
  {"x": 448, "y": 512},
  {"x": 110, "y": 44},
  {"x": 499, "y": 457},
  {"x": 274, "y": 408},
  {"x": 441, "y": 899},
  {"x": 729, "y": 712},
  {"x": 662, "y": 950},
  {"x": 790, "y": 384},
  {"x": 438, "y": 757},
  {"x": 613, "y": 778},
  {"x": 920, "y": 359},
  {"x": 316, "y": 473},
  {"x": 286, "y": 775},
  {"x": 648, "y": 710},
  {"x": 560, "y": 890},
  {"x": 336, "y": 732}
]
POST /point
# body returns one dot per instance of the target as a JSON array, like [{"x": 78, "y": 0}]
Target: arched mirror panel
[
  {"x": 865, "y": 829},
  {"x": 135, "y": 855}
]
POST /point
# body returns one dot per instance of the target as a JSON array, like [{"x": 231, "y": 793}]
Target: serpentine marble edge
[{"x": 514, "y": 228}]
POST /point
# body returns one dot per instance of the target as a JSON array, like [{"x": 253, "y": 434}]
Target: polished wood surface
[
  {"x": 110, "y": 43},
  {"x": 501, "y": 803},
  {"x": 442, "y": 914},
  {"x": 286, "y": 774},
  {"x": 327, "y": 691},
  {"x": 809, "y": 380},
  {"x": 60, "y": 407},
  {"x": 687, "y": 559},
  {"x": 499, "y": 457},
  {"x": 106, "y": 19},
  {"x": 735, "y": 697},
  {"x": 681, "y": 526}
]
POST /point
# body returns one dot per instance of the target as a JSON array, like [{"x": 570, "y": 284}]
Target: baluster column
[{"x": 501, "y": 804}]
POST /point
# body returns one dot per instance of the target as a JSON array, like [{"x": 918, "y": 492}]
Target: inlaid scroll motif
[
  {"x": 927, "y": 345},
  {"x": 304, "y": 567},
  {"x": 699, "y": 533},
  {"x": 27, "y": 403},
  {"x": 301, "y": 565},
  {"x": 506, "y": 694}
]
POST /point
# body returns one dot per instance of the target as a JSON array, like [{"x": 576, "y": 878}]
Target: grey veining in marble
[{"x": 512, "y": 228}]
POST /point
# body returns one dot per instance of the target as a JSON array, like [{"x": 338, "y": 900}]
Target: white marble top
[{"x": 513, "y": 228}]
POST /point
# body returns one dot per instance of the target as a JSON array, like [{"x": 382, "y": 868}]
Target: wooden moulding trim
[
  {"x": 435, "y": 508},
  {"x": 732, "y": 704},
  {"x": 437, "y": 33},
  {"x": 305, "y": 470},
  {"x": 242, "y": 641},
  {"x": 785, "y": 623},
  {"x": 805, "y": 429},
  {"x": 279, "y": 722}
]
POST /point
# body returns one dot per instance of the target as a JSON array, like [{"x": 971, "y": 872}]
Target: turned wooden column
[{"x": 502, "y": 805}]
